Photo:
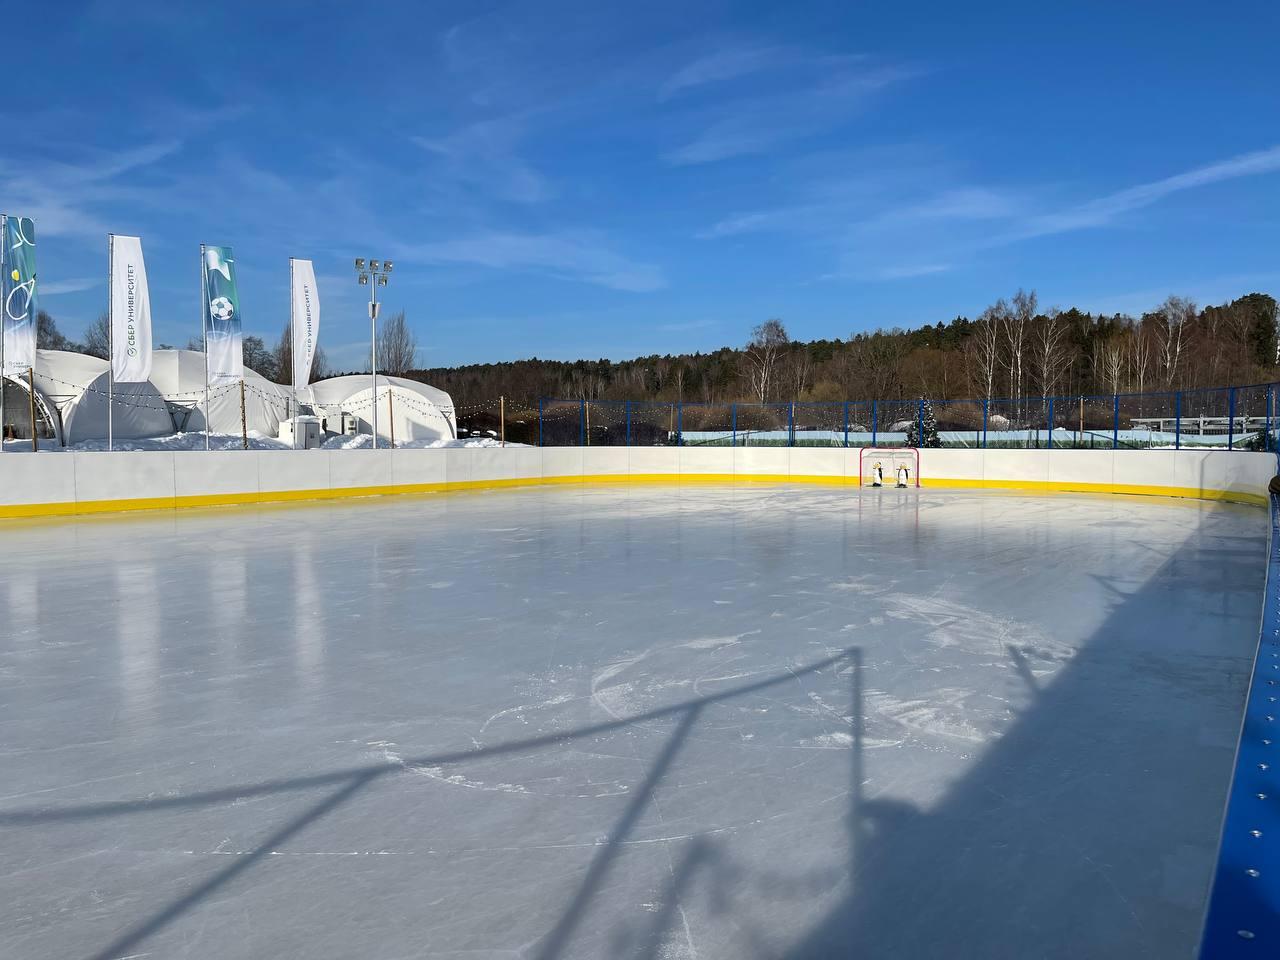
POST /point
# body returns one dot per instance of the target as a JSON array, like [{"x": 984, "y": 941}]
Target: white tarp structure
[
  {"x": 411, "y": 410},
  {"x": 72, "y": 391},
  {"x": 179, "y": 376},
  {"x": 75, "y": 386}
]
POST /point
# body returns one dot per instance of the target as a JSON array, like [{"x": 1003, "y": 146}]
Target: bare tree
[
  {"x": 1172, "y": 319},
  {"x": 97, "y": 338},
  {"x": 1111, "y": 359},
  {"x": 985, "y": 346},
  {"x": 1140, "y": 357},
  {"x": 799, "y": 373},
  {"x": 1017, "y": 321},
  {"x": 874, "y": 366},
  {"x": 397, "y": 347},
  {"x": 762, "y": 352},
  {"x": 1049, "y": 345}
]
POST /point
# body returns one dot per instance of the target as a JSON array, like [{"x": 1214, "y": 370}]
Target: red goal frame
[{"x": 913, "y": 452}]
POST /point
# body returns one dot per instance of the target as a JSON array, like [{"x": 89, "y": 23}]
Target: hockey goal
[{"x": 889, "y": 460}]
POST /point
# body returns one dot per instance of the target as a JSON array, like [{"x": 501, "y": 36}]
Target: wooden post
[
  {"x": 31, "y": 399},
  {"x": 1082, "y": 421},
  {"x": 244, "y": 427},
  {"x": 502, "y": 420}
]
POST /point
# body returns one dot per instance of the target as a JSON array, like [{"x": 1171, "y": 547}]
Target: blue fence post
[
  {"x": 1115, "y": 421},
  {"x": 733, "y": 415},
  {"x": 791, "y": 424},
  {"x": 540, "y": 421},
  {"x": 985, "y": 401},
  {"x": 1177, "y": 420},
  {"x": 628, "y": 408},
  {"x": 846, "y": 423},
  {"x": 874, "y": 423},
  {"x": 1266, "y": 435},
  {"x": 1051, "y": 423},
  {"x": 920, "y": 422},
  {"x": 679, "y": 423},
  {"x": 1231, "y": 418},
  {"x": 582, "y": 423}
]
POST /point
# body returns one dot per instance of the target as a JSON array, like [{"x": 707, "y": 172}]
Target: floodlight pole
[{"x": 375, "y": 274}]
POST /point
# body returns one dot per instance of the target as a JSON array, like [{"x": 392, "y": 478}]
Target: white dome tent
[
  {"x": 410, "y": 411},
  {"x": 72, "y": 390},
  {"x": 77, "y": 386},
  {"x": 179, "y": 376}
]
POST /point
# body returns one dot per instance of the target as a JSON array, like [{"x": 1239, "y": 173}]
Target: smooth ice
[{"x": 638, "y": 723}]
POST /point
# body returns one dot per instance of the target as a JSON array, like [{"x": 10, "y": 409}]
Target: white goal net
[{"x": 885, "y": 466}]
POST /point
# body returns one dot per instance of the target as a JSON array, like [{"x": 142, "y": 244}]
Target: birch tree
[{"x": 768, "y": 340}]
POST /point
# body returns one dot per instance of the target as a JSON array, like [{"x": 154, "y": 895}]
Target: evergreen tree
[{"x": 931, "y": 438}]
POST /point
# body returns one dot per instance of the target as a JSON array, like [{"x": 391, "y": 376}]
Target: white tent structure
[
  {"x": 179, "y": 375},
  {"x": 75, "y": 387},
  {"x": 71, "y": 392},
  {"x": 407, "y": 410}
]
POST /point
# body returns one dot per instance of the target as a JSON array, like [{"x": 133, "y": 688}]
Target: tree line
[{"x": 1013, "y": 348}]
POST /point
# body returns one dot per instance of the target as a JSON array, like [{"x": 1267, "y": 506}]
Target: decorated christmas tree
[{"x": 931, "y": 438}]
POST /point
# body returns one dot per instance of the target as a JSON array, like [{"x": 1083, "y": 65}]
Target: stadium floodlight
[{"x": 373, "y": 274}]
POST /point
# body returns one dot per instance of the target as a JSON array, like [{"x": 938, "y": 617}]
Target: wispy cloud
[
  {"x": 1104, "y": 210},
  {"x": 66, "y": 197},
  {"x": 572, "y": 256},
  {"x": 686, "y": 326},
  {"x": 482, "y": 155},
  {"x": 724, "y": 64},
  {"x": 837, "y": 213},
  {"x": 909, "y": 271},
  {"x": 758, "y": 125},
  {"x": 55, "y": 287}
]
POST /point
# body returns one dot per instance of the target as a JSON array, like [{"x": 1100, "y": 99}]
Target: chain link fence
[{"x": 1236, "y": 418}]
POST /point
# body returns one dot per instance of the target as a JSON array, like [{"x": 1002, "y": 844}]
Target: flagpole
[
  {"x": 4, "y": 314},
  {"x": 293, "y": 362},
  {"x": 204, "y": 333},
  {"x": 111, "y": 338}
]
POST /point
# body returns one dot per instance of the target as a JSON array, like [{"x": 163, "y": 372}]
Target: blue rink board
[{"x": 1243, "y": 918}]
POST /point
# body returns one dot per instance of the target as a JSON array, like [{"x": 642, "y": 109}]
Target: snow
[
  {"x": 624, "y": 722},
  {"x": 234, "y": 441}
]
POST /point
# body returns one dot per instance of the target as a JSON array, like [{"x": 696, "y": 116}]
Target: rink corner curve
[{"x": 1242, "y": 917}]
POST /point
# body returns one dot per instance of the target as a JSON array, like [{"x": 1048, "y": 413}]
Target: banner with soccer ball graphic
[
  {"x": 222, "y": 332},
  {"x": 19, "y": 295}
]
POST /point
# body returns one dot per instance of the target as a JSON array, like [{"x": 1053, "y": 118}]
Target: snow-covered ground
[
  {"x": 233, "y": 441},
  {"x": 675, "y": 723}
]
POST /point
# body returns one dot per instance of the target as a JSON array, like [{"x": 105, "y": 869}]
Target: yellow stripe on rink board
[{"x": 88, "y": 507}]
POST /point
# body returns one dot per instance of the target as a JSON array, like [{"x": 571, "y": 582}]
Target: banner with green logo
[
  {"x": 18, "y": 312},
  {"x": 222, "y": 331}
]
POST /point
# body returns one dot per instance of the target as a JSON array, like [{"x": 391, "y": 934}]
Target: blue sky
[{"x": 597, "y": 179}]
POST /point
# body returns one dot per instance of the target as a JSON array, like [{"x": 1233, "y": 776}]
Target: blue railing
[
  {"x": 1243, "y": 917},
  {"x": 1234, "y": 418}
]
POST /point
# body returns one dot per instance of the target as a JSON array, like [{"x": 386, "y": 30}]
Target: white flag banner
[
  {"x": 305, "y": 320},
  {"x": 130, "y": 312}
]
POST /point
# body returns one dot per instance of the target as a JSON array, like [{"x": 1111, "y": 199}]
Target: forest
[{"x": 1012, "y": 349}]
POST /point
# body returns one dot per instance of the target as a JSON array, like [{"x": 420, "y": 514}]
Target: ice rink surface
[{"x": 638, "y": 723}]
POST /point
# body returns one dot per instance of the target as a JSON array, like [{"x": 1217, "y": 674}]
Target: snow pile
[
  {"x": 364, "y": 440},
  {"x": 233, "y": 441},
  {"x": 176, "y": 441}
]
